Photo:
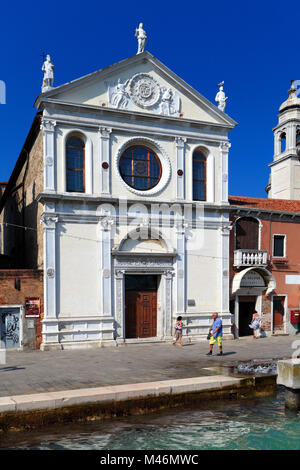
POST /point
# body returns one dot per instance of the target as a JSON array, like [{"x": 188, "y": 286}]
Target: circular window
[{"x": 140, "y": 168}]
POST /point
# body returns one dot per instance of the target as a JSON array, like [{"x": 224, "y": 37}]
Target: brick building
[
  {"x": 264, "y": 264},
  {"x": 21, "y": 273},
  {"x": 20, "y": 291}
]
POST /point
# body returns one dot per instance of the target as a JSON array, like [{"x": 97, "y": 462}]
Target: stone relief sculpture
[
  {"x": 145, "y": 92},
  {"x": 221, "y": 98},
  {"x": 48, "y": 79},
  {"x": 170, "y": 102},
  {"x": 118, "y": 96},
  {"x": 141, "y": 36}
]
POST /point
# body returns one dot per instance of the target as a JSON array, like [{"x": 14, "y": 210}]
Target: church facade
[{"x": 132, "y": 198}]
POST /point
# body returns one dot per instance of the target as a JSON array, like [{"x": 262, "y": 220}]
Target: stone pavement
[{"x": 36, "y": 371}]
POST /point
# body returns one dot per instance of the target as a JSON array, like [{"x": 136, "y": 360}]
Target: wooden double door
[{"x": 140, "y": 306}]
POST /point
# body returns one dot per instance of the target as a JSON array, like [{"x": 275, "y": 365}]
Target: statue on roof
[
  {"x": 221, "y": 98},
  {"x": 141, "y": 36},
  {"x": 48, "y": 79}
]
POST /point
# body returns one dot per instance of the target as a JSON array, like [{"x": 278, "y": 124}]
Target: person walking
[
  {"x": 178, "y": 332},
  {"x": 216, "y": 333},
  {"x": 255, "y": 324}
]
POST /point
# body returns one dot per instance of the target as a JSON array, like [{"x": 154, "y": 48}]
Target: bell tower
[{"x": 284, "y": 182}]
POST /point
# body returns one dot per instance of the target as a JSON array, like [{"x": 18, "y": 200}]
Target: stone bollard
[{"x": 289, "y": 376}]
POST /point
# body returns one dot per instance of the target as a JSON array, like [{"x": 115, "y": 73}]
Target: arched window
[
  {"x": 140, "y": 168},
  {"x": 75, "y": 165},
  {"x": 282, "y": 142},
  {"x": 199, "y": 176}
]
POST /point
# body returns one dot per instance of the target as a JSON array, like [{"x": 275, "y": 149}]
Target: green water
[{"x": 247, "y": 424}]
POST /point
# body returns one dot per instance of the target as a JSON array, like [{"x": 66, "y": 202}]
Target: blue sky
[{"x": 252, "y": 46}]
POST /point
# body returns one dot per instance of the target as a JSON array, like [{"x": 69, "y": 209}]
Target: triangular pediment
[{"x": 139, "y": 84}]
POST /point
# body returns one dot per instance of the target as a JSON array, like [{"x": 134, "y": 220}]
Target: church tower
[{"x": 284, "y": 182}]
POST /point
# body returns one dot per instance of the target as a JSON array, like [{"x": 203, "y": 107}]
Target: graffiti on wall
[{"x": 10, "y": 328}]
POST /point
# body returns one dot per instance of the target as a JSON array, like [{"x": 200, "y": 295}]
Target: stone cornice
[
  {"x": 285, "y": 157},
  {"x": 248, "y": 211},
  {"x": 122, "y": 113},
  {"x": 98, "y": 199}
]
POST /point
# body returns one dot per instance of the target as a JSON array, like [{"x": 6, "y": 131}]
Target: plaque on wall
[{"x": 32, "y": 307}]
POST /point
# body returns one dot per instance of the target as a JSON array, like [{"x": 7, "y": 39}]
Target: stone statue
[
  {"x": 221, "y": 98},
  {"x": 170, "y": 102},
  {"x": 119, "y": 95},
  {"x": 47, "y": 68},
  {"x": 140, "y": 34},
  {"x": 166, "y": 102}
]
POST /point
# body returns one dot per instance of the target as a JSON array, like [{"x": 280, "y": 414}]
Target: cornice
[
  {"x": 244, "y": 210},
  {"x": 98, "y": 199},
  {"x": 131, "y": 114}
]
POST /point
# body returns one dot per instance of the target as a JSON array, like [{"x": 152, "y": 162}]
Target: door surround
[
  {"x": 141, "y": 305},
  {"x": 162, "y": 264}
]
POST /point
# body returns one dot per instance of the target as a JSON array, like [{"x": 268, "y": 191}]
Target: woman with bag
[{"x": 255, "y": 324}]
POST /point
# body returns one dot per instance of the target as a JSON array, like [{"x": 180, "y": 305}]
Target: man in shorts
[{"x": 216, "y": 334}]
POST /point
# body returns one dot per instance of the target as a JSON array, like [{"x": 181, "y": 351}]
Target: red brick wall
[{"x": 31, "y": 285}]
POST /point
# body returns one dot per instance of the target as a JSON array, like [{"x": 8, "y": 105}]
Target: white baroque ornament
[{"x": 144, "y": 90}]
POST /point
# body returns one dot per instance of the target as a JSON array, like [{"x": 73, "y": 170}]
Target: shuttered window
[{"x": 247, "y": 231}]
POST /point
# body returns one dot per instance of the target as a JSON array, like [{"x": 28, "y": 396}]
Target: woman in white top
[{"x": 255, "y": 324}]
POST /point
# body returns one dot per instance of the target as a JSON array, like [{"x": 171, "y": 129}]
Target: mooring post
[{"x": 289, "y": 376}]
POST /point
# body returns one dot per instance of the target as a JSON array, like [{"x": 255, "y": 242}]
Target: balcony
[{"x": 246, "y": 258}]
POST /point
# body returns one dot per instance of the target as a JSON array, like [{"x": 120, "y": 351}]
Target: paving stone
[{"x": 35, "y": 371}]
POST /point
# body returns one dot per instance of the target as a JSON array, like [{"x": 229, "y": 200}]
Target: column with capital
[
  {"x": 50, "y": 322},
  {"x": 224, "y": 149},
  {"x": 48, "y": 128},
  {"x": 105, "y": 160},
  {"x": 180, "y": 167}
]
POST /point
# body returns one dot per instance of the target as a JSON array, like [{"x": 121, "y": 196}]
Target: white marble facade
[{"x": 94, "y": 239}]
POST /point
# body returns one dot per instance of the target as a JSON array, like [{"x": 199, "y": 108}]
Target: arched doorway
[{"x": 248, "y": 286}]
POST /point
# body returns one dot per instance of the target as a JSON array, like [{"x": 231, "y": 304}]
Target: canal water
[{"x": 257, "y": 423}]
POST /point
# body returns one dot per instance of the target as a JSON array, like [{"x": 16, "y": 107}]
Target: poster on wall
[{"x": 32, "y": 307}]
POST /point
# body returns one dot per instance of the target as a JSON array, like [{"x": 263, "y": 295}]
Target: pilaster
[
  {"x": 120, "y": 303},
  {"x": 48, "y": 128},
  {"x": 181, "y": 267},
  {"x": 224, "y": 232},
  {"x": 50, "y": 321},
  {"x": 105, "y": 160},
  {"x": 224, "y": 149},
  {"x": 105, "y": 226},
  {"x": 180, "y": 167}
]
